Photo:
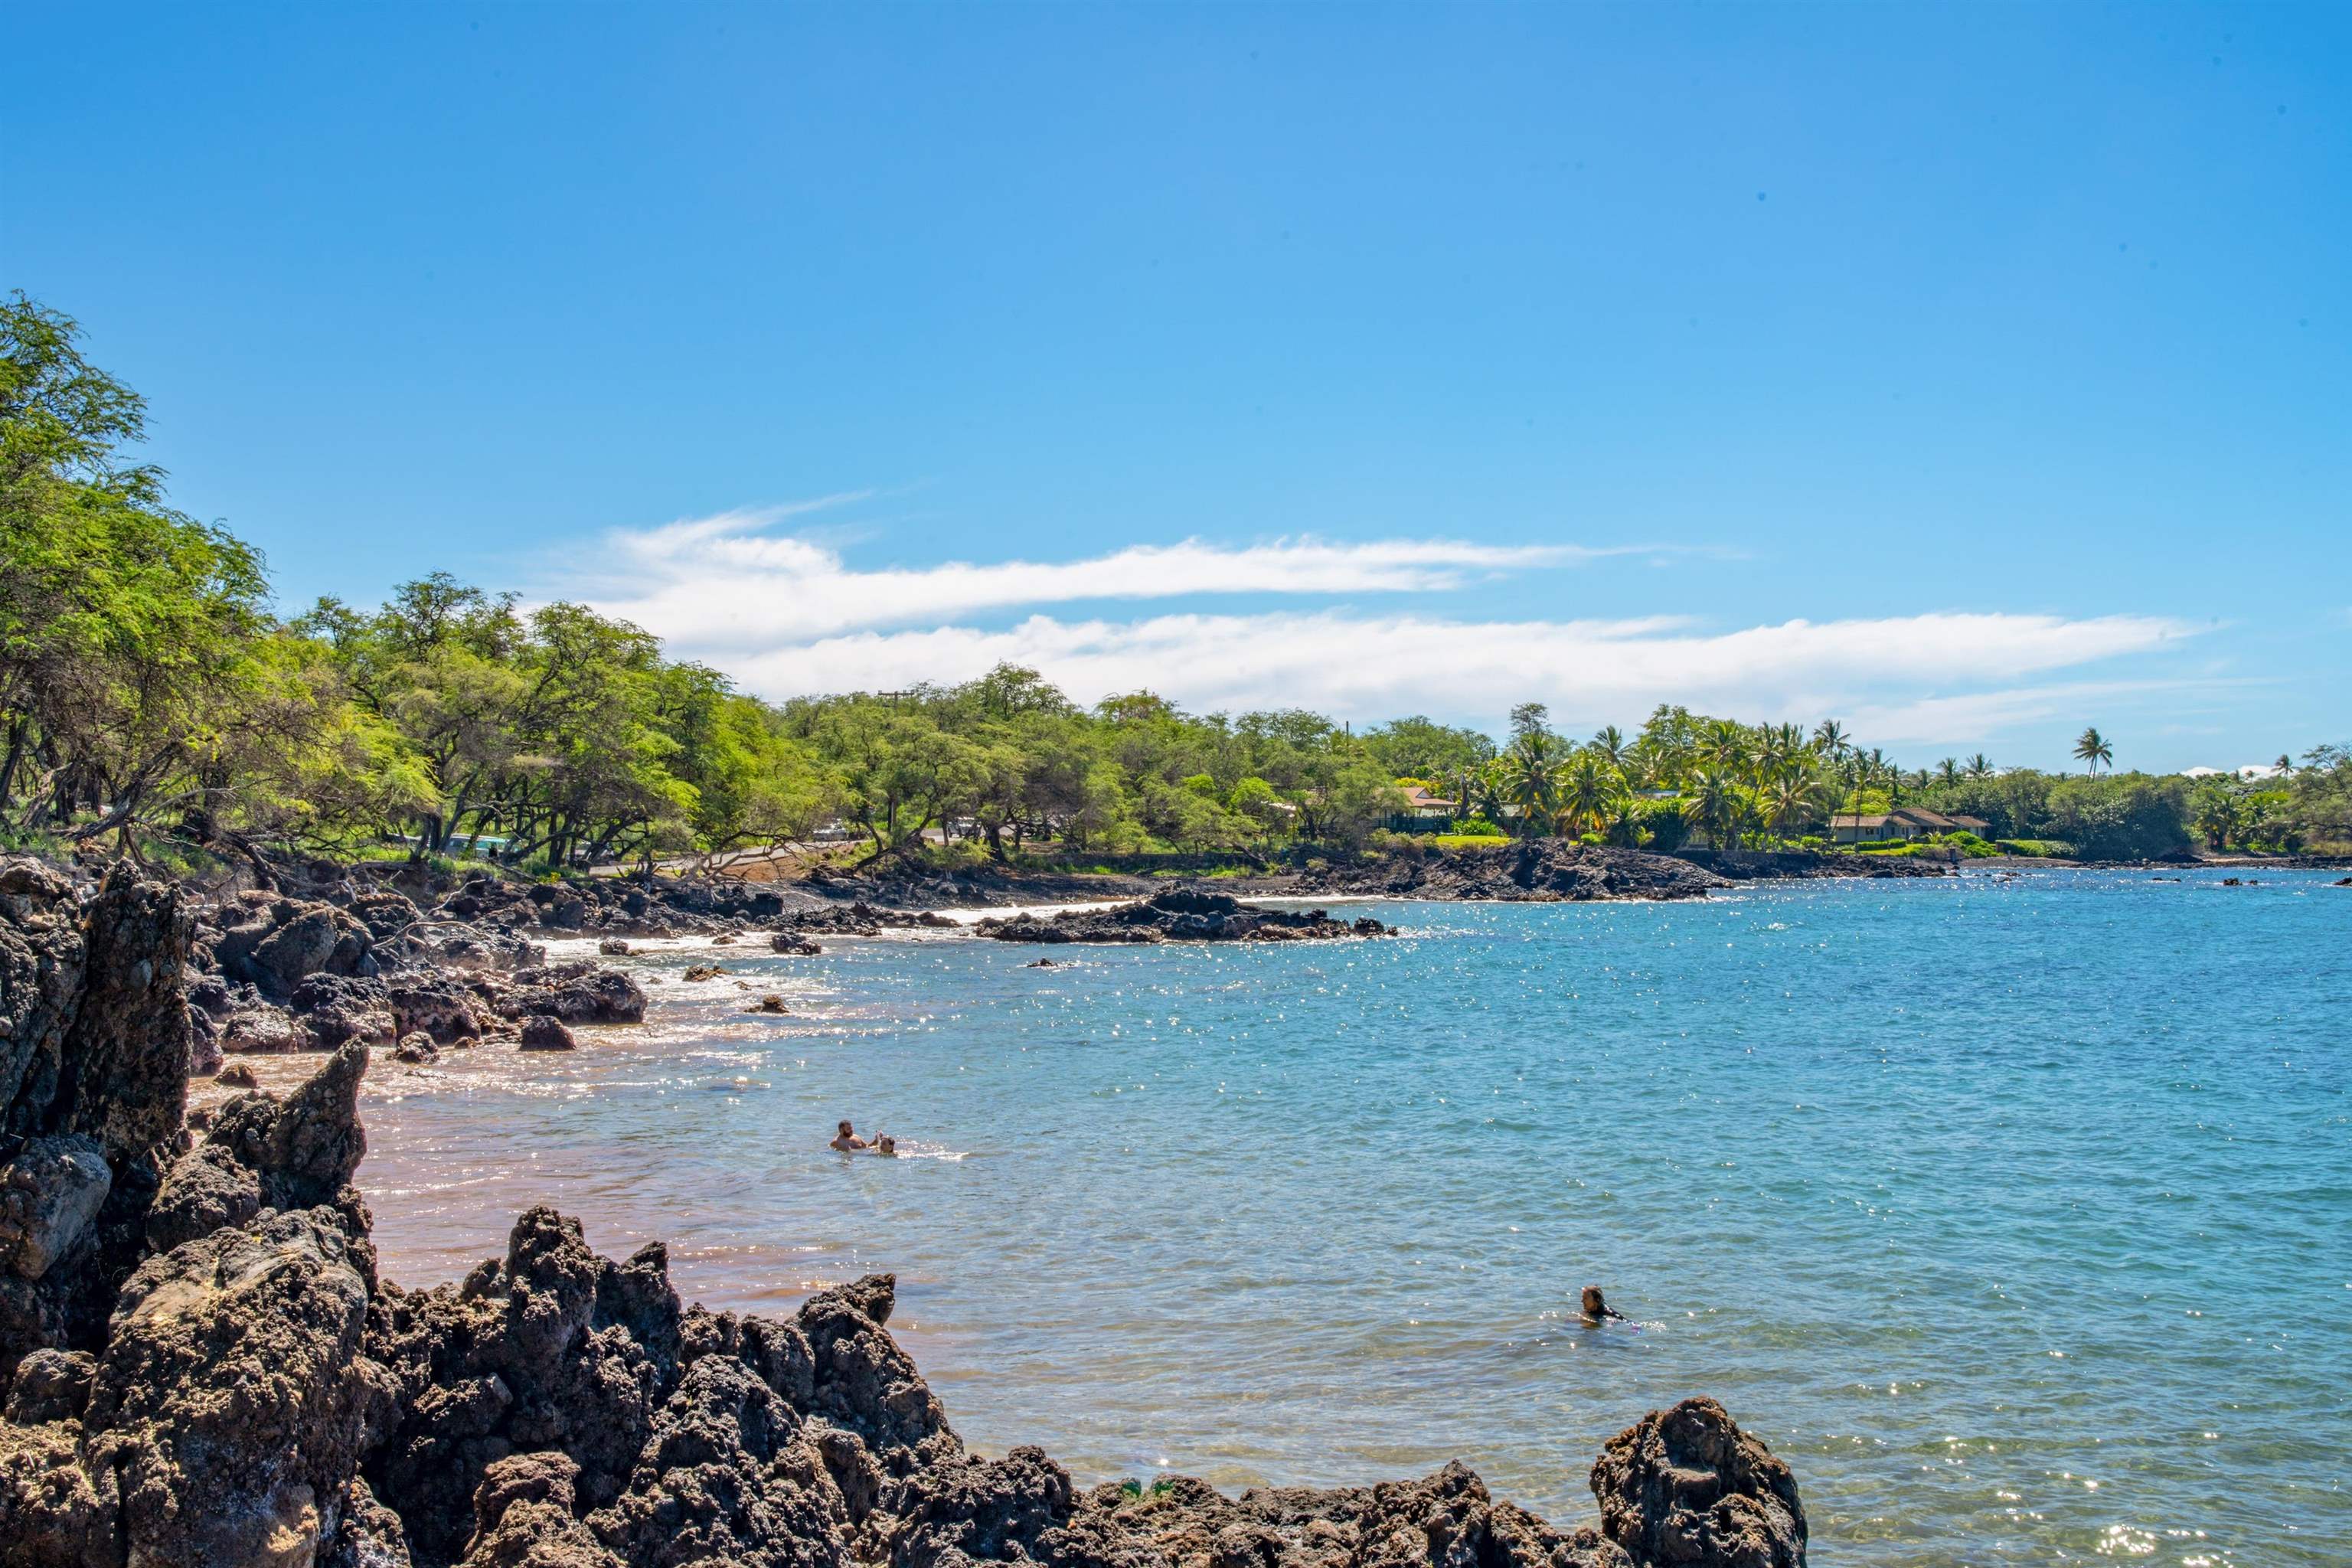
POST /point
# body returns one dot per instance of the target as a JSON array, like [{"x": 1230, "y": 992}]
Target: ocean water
[{"x": 2015, "y": 1214}]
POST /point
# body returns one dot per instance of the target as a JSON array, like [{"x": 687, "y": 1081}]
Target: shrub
[
  {"x": 2038, "y": 848},
  {"x": 1468, "y": 840},
  {"x": 1663, "y": 820}
]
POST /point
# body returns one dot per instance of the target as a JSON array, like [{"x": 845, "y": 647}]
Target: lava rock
[
  {"x": 231, "y": 1401},
  {"x": 49, "y": 1197},
  {"x": 1178, "y": 914},
  {"x": 576, "y": 994},
  {"x": 543, "y": 1033},
  {"x": 1685, "y": 1485}
]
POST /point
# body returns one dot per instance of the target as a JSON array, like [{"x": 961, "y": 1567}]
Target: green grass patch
[{"x": 1467, "y": 840}]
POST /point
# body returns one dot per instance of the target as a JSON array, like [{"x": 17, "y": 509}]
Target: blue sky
[{"x": 1972, "y": 374}]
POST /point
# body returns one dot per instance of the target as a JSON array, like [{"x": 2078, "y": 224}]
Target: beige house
[
  {"x": 1904, "y": 824},
  {"x": 1420, "y": 803}
]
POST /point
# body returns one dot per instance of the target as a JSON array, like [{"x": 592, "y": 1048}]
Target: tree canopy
[{"x": 150, "y": 696}]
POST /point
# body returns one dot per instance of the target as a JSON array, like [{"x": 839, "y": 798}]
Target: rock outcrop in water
[
  {"x": 1552, "y": 870},
  {"x": 1178, "y": 914},
  {"x": 1540, "y": 870},
  {"x": 203, "y": 1370}
]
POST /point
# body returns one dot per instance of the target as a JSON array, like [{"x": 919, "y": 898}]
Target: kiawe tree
[{"x": 898, "y": 774}]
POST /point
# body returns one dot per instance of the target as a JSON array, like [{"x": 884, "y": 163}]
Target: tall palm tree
[
  {"x": 1793, "y": 745},
  {"x": 1528, "y": 782},
  {"x": 1586, "y": 793},
  {"x": 1724, "y": 744},
  {"x": 1485, "y": 788},
  {"x": 1830, "y": 738},
  {"x": 1660, "y": 763},
  {"x": 1715, "y": 801},
  {"x": 1979, "y": 766},
  {"x": 1610, "y": 744},
  {"x": 1948, "y": 769},
  {"x": 1877, "y": 771},
  {"x": 2093, "y": 747},
  {"x": 1793, "y": 802}
]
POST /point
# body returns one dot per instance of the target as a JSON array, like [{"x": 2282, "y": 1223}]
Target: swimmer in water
[
  {"x": 846, "y": 1140},
  {"x": 1596, "y": 1310},
  {"x": 885, "y": 1146}
]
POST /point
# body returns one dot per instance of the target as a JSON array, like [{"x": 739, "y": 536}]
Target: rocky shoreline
[
  {"x": 1178, "y": 914},
  {"x": 201, "y": 1364},
  {"x": 1528, "y": 871},
  {"x": 397, "y": 955}
]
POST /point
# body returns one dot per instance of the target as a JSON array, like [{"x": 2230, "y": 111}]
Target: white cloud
[
  {"x": 788, "y": 615},
  {"x": 729, "y": 584},
  {"x": 1959, "y": 719},
  {"x": 1589, "y": 672}
]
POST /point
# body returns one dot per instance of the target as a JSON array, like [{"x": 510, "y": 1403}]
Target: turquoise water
[{"x": 2012, "y": 1213}]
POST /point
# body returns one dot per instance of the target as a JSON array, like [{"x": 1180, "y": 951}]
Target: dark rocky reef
[
  {"x": 275, "y": 972},
  {"x": 1810, "y": 865},
  {"x": 201, "y": 1368},
  {"x": 1547, "y": 870},
  {"x": 1538, "y": 871},
  {"x": 1178, "y": 914}
]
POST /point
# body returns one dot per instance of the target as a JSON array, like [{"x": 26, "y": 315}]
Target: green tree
[
  {"x": 896, "y": 773},
  {"x": 123, "y": 625}
]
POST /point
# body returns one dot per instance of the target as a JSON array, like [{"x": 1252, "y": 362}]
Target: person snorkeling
[{"x": 1597, "y": 1310}]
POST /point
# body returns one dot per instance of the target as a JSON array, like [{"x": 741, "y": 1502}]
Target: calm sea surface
[{"x": 2017, "y": 1215}]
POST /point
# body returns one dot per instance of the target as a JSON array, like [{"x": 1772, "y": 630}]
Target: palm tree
[
  {"x": 1715, "y": 801},
  {"x": 1948, "y": 769},
  {"x": 1829, "y": 739},
  {"x": 1528, "y": 782},
  {"x": 1587, "y": 792},
  {"x": 1794, "y": 801},
  {"x": 1877, "y": 770},
  {"x": 1611, "y": 744},
  {"x": 1658, "y": 764},
  {"x": 2093, "y": 747},
  {"x": 1778, "y": 747},
  {"x": 1485, "y": 786},
  {"x": 1725, "y": 743},
  {"x": 1979, "y": 766}
]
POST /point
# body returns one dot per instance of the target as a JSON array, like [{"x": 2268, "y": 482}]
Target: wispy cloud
[
  {"x": 1977, "y": 713},
  {"x": 733, "y": 584},
  {"x": 787, "y": 615},
  {"x": 1589, "y": 672}
]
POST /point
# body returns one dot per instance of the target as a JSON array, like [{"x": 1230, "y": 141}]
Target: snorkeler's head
[{"x": 1593, "y": 1305}]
